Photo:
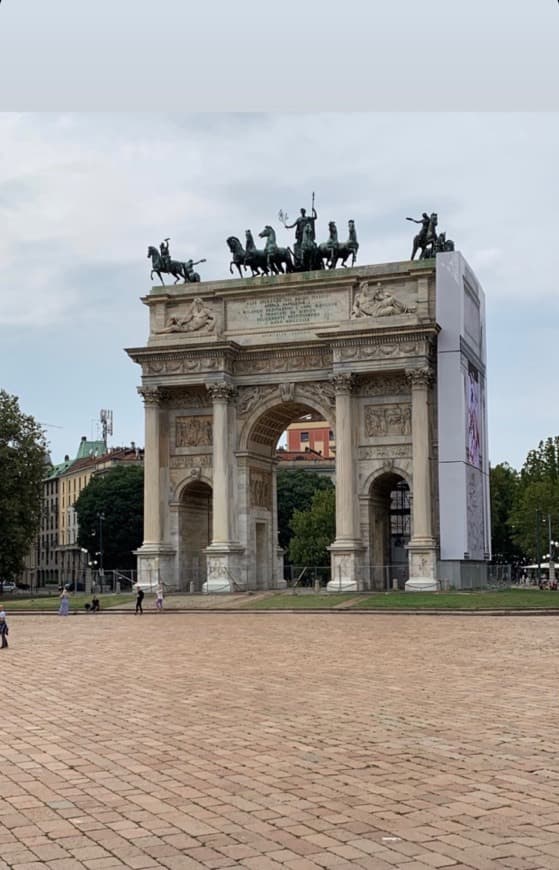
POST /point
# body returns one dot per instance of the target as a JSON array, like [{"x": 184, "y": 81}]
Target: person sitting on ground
[{"x": 95, "y": 606}]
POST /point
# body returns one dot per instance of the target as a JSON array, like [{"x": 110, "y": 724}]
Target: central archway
[{"x": 258, "y": 464}]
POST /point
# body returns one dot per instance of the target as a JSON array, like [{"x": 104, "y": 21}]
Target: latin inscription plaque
[{"x": 286, "y": 309}]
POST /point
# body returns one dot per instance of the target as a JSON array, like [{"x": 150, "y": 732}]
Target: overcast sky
[
  {"x": 281, "y": 55},
  {"x": 81, "y": 197}
]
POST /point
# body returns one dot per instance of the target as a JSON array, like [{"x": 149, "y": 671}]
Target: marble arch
[{"x": 392, "y": 385}]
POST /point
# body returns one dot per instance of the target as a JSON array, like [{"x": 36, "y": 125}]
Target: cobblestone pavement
[{"x": 276, "y": 740}]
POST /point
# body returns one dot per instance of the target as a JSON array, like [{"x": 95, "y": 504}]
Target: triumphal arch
[{"x": 392, "y": 355}]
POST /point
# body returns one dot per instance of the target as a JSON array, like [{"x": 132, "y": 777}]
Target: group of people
[{"x": 140, "y": 598}]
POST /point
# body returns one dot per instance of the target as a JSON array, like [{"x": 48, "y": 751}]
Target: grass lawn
[
  {"x": 299, "y": 601},
  {"x": 15, "y": 603},
  {"x": 509, "y": 599}
]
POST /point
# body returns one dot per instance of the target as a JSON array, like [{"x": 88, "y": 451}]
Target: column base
[
  {"x": 156, "y": 564},
  {"x": 423, "y": 567},
  {"x": 224, "y": 570},
  {"x": 346, "y": 560}
]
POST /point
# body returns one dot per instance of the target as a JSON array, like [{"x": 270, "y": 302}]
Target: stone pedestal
[
  {"x": 224, "y": 572},
  {"x": 156, "y": 564},
  {"x": 347, "y": 568}
]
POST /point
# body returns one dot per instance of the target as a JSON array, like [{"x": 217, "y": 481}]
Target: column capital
[
  {"x": 221, "y": 391},
  {"x": 150, "y": 395},
  {"x": 421, "y": 377},
  {"x": 343, "y": 383}
]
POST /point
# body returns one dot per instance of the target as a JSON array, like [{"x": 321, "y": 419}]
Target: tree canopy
[
  {"x": 119, "y": 496},
  {"x": 314, "y": 530},
  {"x": 525, "y": 505},
  {"x": 296, "y": 489},
  {"x": 23, "y": 463}
]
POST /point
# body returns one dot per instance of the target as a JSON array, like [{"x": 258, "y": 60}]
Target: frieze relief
[
  {"x": 378, "y": 351},
  {"x": 283, "y": 363},
  {"x": 393, "y": 419},
  {"x": 260, "y": 486},
  {"x": 202, "y": 461},
  {"x": 186, "y": 397},
  {"x": 383, "y": 385},
  {"x": 193, "y": 431},
  {"x": 181, "y": 365}
]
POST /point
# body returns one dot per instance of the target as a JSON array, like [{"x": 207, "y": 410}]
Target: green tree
[
  {"x": 314, "y": 530},
  {"x": 504, "y": 483},
  {"x": 536, "y": 498},
  {"x": 119, "y": 496},
  {"x": 296, "y": 489},
  {"x": 23, "y": 459}
]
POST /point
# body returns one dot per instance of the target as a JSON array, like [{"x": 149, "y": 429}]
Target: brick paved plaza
[{"x": 278, "y": 740}]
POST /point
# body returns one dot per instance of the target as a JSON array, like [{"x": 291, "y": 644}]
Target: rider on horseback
[
  {"x": 165, "y": 255},
  {"x": 425, "y": 221}
]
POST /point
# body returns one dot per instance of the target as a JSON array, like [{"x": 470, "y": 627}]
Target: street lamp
[
  {"x": 100, "y": 517},
  {"x": 85, "y": 555}
]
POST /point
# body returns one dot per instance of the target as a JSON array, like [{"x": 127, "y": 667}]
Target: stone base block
[
  {"x": 156, "y": 564},
  {"x": 422, "y": 559},
  {"x": 421, "y": 584},
  {"x": 215, "y": 587},
  {"x": 346, "y": 567},
  {"x": 224, "y": 572}
]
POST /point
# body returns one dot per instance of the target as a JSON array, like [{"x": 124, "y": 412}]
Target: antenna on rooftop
[{"x": 106, "y": 419}]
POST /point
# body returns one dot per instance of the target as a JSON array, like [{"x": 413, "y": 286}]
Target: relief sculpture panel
[
  {"x": 394, "y": 419},
  {"x": 260, "y": 488},
  {"x": 193, "y": 431}
]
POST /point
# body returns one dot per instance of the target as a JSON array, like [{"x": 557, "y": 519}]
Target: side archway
[
  {"x": 389, "y": 529},
  {"x": 195, "y": 533}
]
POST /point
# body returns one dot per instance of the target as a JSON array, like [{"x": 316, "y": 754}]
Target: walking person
[
  {"x": 139, "y": 599},
  {"x": 3, "y": 627},
  {"x": 159, "y": 598},
  {"x": 64, "y": 608}
]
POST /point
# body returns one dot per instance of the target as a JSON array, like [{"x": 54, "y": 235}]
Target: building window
[
  {"x": 304, "y": 436},
  {"x": 331, "y": 434}
]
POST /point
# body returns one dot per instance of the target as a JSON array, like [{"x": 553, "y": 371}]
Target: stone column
[
  {"x": 223, "y": 574},
  {"x": 152, "y": 495},
  {"x": 156, "y": 557},
  {"x": 346, "y": 551},
  {"x": 422, "y": 547}
]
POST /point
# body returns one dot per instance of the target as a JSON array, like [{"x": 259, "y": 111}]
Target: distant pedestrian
[
  {"x": 64, "y": 608},
  {"x": 3, "y": 627},
  {"x": 139, "y": 599},
  {"x": 159, "y": 598}
]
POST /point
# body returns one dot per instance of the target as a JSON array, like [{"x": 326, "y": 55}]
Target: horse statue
[
  {"x": 276, "y": 257},
  {"x": 176, "y": 268},
  {"x": 333, "y": 250},
  {"x": 255, "y": 258},
  {"x": 238, "y": 253},
  {"x": 309, "y": 254}
]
